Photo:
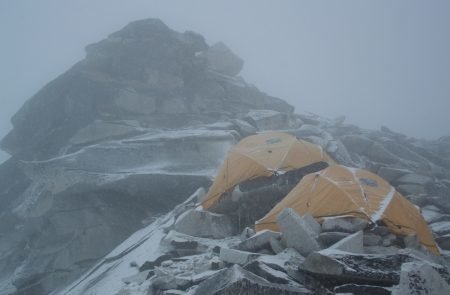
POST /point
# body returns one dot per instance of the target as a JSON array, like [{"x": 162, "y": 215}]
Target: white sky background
[{"x": 379, "y": 62}]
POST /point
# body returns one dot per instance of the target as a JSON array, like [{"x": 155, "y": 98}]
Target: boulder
[
  {"x": 413, "y": 178},
  {"x": 340, "y": 224},
  {"x": 327, "y": 239},
  {"x": 362, "y": 289},
  {"x": 420, "y": 278},
  {"x": 371, "y": 239},
  {"x": 276, "y": 245},
  {"x": 410, "y": 189},
  {"x": 296, "y": 233},
  {"x": 201, "y": 223},
  {"x": 265, "y": 271},
  {"x": 441, "y": 228},
  {"x": 260, "y": 240},
  {"x": 267, "y": 119},
  {"x": 221, "y": 59},
  {"x": 390, "y": 173},
  {"x": 236, "y": 256},
  {"x": 344, "y": 267},
  {"x": 236, "y": 280},
  {"x": 148, "y": 265},
  {"x": 353, "y": 243},
  {"x": 444, "y": 241}
]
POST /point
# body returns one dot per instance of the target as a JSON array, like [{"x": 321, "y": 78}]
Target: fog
[{"x": 377, "y": 62}]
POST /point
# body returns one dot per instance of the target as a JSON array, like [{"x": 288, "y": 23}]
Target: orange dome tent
[
  {"x": 342, "y": 191},
  {"x": 262, "y": 155}
]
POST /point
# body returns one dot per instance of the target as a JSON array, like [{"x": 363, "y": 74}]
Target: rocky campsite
[{"x": 111, "y": 162}]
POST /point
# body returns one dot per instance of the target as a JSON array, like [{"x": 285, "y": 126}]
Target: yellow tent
[
  {"x": 343, "y": 191},
  {"x": 262, "y": 155}
]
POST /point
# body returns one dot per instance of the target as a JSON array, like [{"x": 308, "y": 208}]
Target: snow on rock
[
  {"x": 420, "y": 278},
  {"x": 352, "y": 243},
  {"x": 296, "y": 232},
  {"x": 199, "y": 223},
  {"x": 236, "y": 280}
]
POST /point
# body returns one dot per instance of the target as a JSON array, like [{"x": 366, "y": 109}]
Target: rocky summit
[{"x": 110, "y": 159}]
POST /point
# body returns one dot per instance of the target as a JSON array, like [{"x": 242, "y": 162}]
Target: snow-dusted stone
[
  {"x": 276, "y": 245},
  {"x": 265, "y": 271},
  {"x": 441, "y": 228},
  {"x": 390, "y": 173},
  {"x": 101, "y": 130},
  {"x": 381, "y": 250},
  {"x": 236, "y": 280},
  {"x": 327, "y": 239},
  {"x": 371, "y": 239},
  {"x": 347, "y": 225},
  {"x": 138, "y": 278},
  {"x": 258, "y": 241},
  {"x": 420, "y": 278},
  {"x": 236, "y": 256},
  {"x": 308, "y": 130},
  {"x": 163, "y": 280},
  {"x": 201, "y": 223},
  {"x": 365, "y": 146},
  {"x": 172, "y": 292},
  {"x": 351, "y": 289},
  {"x": 348, "y": 267},
  {"x": 296, "y": 233},
  {"x": 444, "y": 242},
  {"x": 432, "y": 216},
  {"x": 413, "y": 179},
  {"x": 196, "y": 279},
  {"x": 243, "y": 127},
  {"x": 268, "y": 119},
  {"x": 184, "y": 244},
  {"x": 153, "y": 263},
  {"x": 410, "y": 189},
  {"x": 221, "y": 59},
  {"x": 247, "y": 233},
  {"x": 311, "y": 222},
  {"x": 353, "y": 243},
  {"x": 339, "y": 152}
]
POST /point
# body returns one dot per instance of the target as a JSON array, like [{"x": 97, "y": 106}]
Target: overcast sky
[{"x": 377, "y": 62}]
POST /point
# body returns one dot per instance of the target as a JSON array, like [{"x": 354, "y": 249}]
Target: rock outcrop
[
  {"x": 125, "y": 135},
  {"x": 121, "y": 137}
]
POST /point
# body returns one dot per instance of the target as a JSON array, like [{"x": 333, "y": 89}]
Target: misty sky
[{"x": 377, "y": 62}]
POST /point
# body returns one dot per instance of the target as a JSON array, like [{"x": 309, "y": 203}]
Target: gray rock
[
  {"x": 101, "y": 130},
  {"x": 236, "y": 256},
  {"x": 311, "y": 222},
  {"x": 373, "y": 150},
  {"x": 296, "y": 232},
  {"x": 260, "y": 240},
  {"x": 444, "y": 242},
  {"x": 347, "y": 225},
  {"x": 204, "y": 224},
  {"x": 220, "y": 58},
  {"x": 362, "y": 289},
  {"x": 268, "y": 119},
  {"x": 276, "y": 245},
  {"x": 420, "y": 278},
  {"x": 138, "y": 278},
  {"x": 371, "y": 239},
  {"x": 344, "y": 267},
  {"x": 410, "y": 189},
  {"x": 353, "y": 243},
  {"x": 327, "y": 239},
  {"x": 236, "y": 280},
  {"x": 390, "y": 173},
  {"x": 441, "y": 228},
  {"x": 413, "y": 179}
]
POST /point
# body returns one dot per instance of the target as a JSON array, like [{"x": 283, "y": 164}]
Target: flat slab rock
[
  {"x": 236, "y": 280},
  {"x": 337, "y": 267},
  {"x": 420, "y": 278}
]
